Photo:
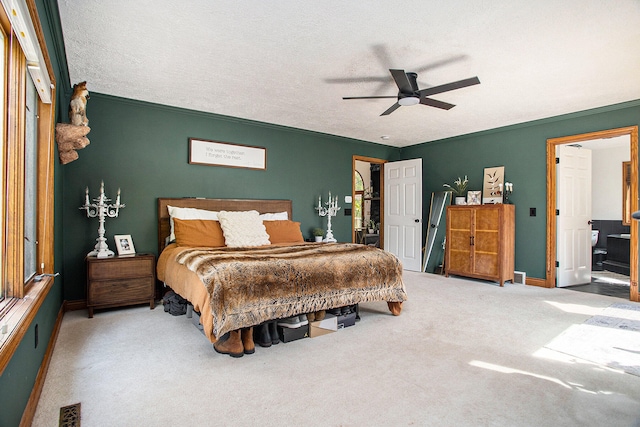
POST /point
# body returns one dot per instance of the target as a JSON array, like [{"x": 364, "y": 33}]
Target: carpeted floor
[
  {"x": 463, "y": 353},
  {"x": 610, "y": 338}
]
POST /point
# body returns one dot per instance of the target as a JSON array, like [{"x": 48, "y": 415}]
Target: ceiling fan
[{"x": 409, "y": 94}]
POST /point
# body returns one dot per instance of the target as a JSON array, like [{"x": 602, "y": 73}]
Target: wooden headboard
[{"x": 262, "y": 206}]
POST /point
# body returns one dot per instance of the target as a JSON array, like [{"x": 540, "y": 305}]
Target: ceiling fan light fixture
[{"x": 409, "y": 100}]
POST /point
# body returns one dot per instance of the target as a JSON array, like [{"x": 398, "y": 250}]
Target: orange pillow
[
  {"x": 283, "y": 231},
  {"x": 198, "y": 232}
]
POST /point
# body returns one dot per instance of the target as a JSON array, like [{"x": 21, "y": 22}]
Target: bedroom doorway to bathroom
[{"x": 607, "y": 146}]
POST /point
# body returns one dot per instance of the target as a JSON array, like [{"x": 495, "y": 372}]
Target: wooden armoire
[{"x": 481, "y": 242}]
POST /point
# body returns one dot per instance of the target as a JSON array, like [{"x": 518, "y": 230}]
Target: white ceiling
[{"x": 290, "y": 62}]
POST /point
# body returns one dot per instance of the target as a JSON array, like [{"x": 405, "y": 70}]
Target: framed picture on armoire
[
  {"x": 473, "y": 197},
  {"x": 493, "y": 181}
]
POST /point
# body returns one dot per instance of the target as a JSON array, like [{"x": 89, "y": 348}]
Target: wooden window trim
[
  {"x": 14, "y": 246},
  {"x": 23, "y": 300}
]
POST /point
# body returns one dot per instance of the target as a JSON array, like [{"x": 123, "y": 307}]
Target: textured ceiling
[{"x": 290, "y": 62}]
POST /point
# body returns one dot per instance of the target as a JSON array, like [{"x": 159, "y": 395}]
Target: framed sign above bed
[{"x": 213, "y": 153}]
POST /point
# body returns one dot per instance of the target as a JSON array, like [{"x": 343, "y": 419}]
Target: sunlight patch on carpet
[{"x": 610, "y": 338}]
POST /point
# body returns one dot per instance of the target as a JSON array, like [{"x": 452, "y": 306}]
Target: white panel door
[
  {"x": 403, "y": 211},
  {"x": 573, "y": 221}
]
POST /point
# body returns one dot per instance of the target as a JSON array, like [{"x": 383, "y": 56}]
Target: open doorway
[
  {"x": 367, "y": 215},
  {"x": 630, "y": 203},
  {"x": 611, "y": 218}
]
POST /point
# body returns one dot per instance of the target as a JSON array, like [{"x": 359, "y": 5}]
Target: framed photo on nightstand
[{"x": 124, "y": 244}]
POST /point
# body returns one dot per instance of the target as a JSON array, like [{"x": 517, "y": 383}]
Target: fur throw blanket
[{"x": 248, "y": 286}]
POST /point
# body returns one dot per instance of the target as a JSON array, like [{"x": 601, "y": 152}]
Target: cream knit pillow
[{"x": 243, "y": 229}]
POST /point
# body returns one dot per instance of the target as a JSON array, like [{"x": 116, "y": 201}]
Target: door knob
[
  {"x": 589, "y": 222},
  {"x": 416, "y": 220}
]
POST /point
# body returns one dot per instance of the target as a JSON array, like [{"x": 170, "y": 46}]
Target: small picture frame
[
  {"x": 474, "y": 197},
  {"x": 124, "y": 244}
]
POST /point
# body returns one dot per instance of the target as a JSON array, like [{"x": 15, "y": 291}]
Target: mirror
[
  {"x": 626, "y": 193},
  {"x": 433, "y": 251}
]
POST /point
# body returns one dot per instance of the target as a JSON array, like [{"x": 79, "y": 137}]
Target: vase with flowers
[{"x": 459, "y": 189}]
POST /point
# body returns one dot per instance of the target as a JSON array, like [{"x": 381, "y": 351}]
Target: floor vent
[
  {"x": 70, "y": 416},
  {"x": 520, "y": 277}
]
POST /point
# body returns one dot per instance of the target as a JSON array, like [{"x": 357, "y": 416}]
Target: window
[
  {"x": 3, "y": 56},
  {"x": 359, "y": 182},
  {"x": 30, "y": 181},
  {"x": 26, "y": 196},
  {"x": 357, "y": 202}
]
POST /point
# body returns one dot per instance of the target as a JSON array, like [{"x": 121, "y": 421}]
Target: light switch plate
[{"x": 347, "y": 199}]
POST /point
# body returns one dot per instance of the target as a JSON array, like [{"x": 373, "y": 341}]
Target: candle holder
[
  {"x": 102, "y": 209},
  {"x": 508, "y": 189},
  {"x": 330, "y": 210}
]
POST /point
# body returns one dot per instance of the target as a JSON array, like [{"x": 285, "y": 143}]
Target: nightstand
[{"x": 120, "y": 280}]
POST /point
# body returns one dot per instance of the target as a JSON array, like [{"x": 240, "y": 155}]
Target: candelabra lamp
[
  {"x": 101, "y": 208},
  {"x": 331, "y": 209}
]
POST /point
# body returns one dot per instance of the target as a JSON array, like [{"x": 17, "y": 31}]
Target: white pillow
[
  {"x": 188, "y": 213},
  {"x": 243, "y": 229},
  {"x": 279, "y": 216}
]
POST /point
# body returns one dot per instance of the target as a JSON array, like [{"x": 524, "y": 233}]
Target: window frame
[{"x": 22, "y": 300}]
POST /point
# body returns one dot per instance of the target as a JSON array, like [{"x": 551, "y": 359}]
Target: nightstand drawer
[
  {"x": 121, "y": 268},
  {"x": 120, "y": 291}
]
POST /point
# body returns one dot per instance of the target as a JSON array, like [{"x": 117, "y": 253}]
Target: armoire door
[
  {"x": 486, "y": 242},
  {"x": 460, "y": 238}
]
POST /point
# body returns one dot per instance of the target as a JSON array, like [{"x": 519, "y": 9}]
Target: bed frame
[{"x": 262, "y": 206}]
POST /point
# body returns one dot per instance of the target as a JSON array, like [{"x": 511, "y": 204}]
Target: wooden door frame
[
  {"x": 632, "y": 131},
  {"x": 353, "y": 193}
]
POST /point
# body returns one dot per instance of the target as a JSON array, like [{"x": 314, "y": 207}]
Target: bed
[{"x": 239, "y": 287}]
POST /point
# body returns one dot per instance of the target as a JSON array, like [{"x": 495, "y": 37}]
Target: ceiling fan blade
[
  {"x": 391, "y": 109},
  {"x": 449, "y": 86},
  {"x": 402, "y": 81},
  {"x": 435, "y": 103},
  {"x": 368, "y": 97}
]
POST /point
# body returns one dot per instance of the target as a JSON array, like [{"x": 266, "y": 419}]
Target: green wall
[
  {"x": 142, "y": 149},
  {"x": 521, "y": 149}
]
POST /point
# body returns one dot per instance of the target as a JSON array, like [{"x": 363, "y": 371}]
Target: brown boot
[
  {"x": 320, "y": 315},
  {"x": 247, "y": 340},
  {"x": 395, "y": 308},
  {"x": 231, "y": 346}
]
